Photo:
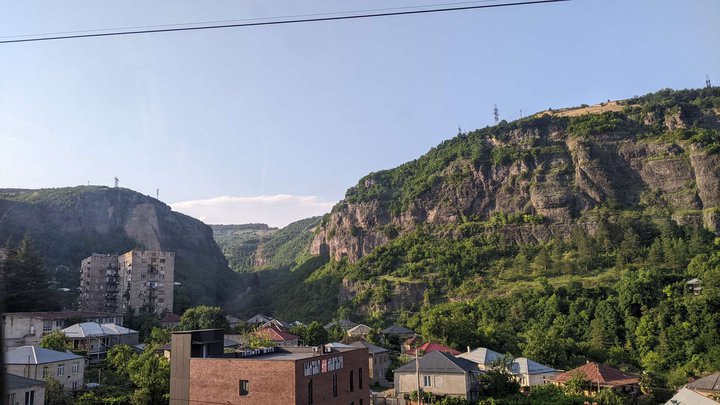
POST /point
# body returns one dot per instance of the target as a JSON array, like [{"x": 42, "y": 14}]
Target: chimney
[{"x": 468, "y": 348}]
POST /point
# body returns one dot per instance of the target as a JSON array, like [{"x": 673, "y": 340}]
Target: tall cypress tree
[{"x": 25, "y": 284}]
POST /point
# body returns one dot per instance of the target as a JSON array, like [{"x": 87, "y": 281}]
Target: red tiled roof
[
  {"x": 275, "y": 334},
  {"x": 429, "y": 346},
  {"x": 596, "y": 373}
]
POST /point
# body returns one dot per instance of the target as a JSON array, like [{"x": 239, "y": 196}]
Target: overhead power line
[{"x": 255, "y": 23}]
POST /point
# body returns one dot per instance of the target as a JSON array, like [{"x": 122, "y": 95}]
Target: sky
[{"x": 273, "y": 124}]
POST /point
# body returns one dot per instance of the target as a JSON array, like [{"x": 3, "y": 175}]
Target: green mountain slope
[{"x": 562, "y": 237}]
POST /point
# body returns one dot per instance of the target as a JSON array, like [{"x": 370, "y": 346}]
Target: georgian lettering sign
[{"x": 314, "y": 367}]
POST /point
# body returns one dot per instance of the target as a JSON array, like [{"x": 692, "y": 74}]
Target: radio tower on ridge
[{"x": 496, "y": 114}]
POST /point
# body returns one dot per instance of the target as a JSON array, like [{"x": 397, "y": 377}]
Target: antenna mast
[
  {"x": 116, "y": 182},
  {"x": 157, "y": 193},
  {"x": 707, "y": 82},
  {"x": 496, "y": 114}
]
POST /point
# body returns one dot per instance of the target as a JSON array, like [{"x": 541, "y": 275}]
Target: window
[
  {"x": 426, "y": 380},
  {"x": 47, "y": 326},
  {"x": 334, "y": 385},
  {"x": 44, "y": 372},
  {"x": 352, "y": 378},
  {"x": 11, "y": 398},
  {"x": 310, "y": 393},
  {"x": 360, "y": 378},
  {"x": 244, "y": 387},
  {"x": 361, "y": 401},
  {"x": 61, "y": 370},
  {"x": 30, "y": 398},
  {"x": 75, "y": 368}
]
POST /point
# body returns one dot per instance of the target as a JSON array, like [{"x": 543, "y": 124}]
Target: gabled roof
[
  {"x": 259, "y": 318},
  {"x": 598, "y": 374},
  {"x": 397, "y": 330},
  {"x": 429, "y": 347},
  {"x": 372, "y": 349},
  {"x": 112, "y": 329},
  {"x": 278, "y": 323},
  {"x": 523, "y": 365},
  {"x": 92, "y": 329},
  {"x": 710, "y": 383},
  {"x": 336, "y": 345},
  {"x": 694, "y": 281},
  {"x": 440, "y": 362},
  {"x": 359, "y": 330},
  {"x": 231, "y": 319},
  {"x": 481, "y": 355},
  {"x": 297, "y": 323},
  {"x": 15, "y": 382},
  {"x": 37, "y": 355},
  {"x": 275, "y": 334},
  {"x": 689, "y": 397}
]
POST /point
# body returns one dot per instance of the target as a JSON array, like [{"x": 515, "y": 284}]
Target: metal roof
[
  {"x": 709, "y": 383},
  {"x": 523, "y": 365},
  {"x": 37, "y": 355},
  {"x": 689, "y": 397},
  {"x": 92, "y": 329},
  {"x": 440, "y": 362},
  {"x": 16, "y": 382},
  {"x": 371, "y": 348},
  {"x": 481, "y": 355},
  {"x": 397, "y": 330}
]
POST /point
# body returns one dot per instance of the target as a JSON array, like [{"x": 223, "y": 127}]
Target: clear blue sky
[{"x": 308, "y": 109}]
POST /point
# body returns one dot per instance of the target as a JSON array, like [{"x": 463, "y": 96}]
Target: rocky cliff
[
  {"x": 659, "y": 152},
  {"x": 69, "y": 224}
]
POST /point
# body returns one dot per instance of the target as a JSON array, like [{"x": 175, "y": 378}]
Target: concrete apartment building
[
  {"x": 38, "y": 364},
  {"x": 136, "y": 279},
  {"x": 27, "y": 328},
  {"x": 200, "y": 373}
]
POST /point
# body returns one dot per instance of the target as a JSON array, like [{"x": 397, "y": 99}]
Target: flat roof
[{"x": 290, "y": 353}]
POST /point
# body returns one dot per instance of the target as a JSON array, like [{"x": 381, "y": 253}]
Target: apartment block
[{"x": 137, "y": 279}]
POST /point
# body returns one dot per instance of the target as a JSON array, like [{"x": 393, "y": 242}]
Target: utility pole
[{"x": 496, "y": 114}]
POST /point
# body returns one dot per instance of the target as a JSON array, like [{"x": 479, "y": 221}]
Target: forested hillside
[{"x": 564, "y": 236}]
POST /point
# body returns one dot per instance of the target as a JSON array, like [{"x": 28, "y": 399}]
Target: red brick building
[{"x": 202, "y": 374}]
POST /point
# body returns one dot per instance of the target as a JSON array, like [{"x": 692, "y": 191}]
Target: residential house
[
  {"x": 39, "y": 364},
  {"x": 24, "y": 391},
  {"x": 411, "y": 343},
  {"x": 598, "y": 376},
  {"x": 695, "y": 286},
  {"x": 530, "y": 373},
  {"x": 27, "y": 328},
  {"x": 95, "y": 339},
  {"x": 359, "y": 331},
  {"x": 441, "y": 374},
  {"x": 280, "y": 324},
  {"x": 481, "y": 356},
  {"x": 429, "y": 347},
  {"x": 278, "y": 336},
  {"x": 397, "y": 331},
  {"x": 708, "y": 386},
  {"x": 343, "y": 324},
  {"x": 378, "y": 363},
  {"x": 259, "y": 319},
  {"x": 201, "y": 373},
  {"x": 687, "y": 396}
]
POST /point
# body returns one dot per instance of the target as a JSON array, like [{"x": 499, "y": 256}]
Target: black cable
[{"x": 280, "y": 22}]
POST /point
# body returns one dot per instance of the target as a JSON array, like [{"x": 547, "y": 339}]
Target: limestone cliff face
[
  {"x": 69, "y": 224},
  {"x": 560, "y": 179}
]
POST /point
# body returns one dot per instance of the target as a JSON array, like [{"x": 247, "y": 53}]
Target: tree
[
  {"x": 315, "y": 334},
  {"x": 159, "y": 336},
  {"x": 497, "y": 382},
  {"x": 25, "y": 285},
  {"x": 56, "y": 340},
  {"x": 54, "y": 393},
  {"x": 150, "y": 373},
  {"x": 203, "y": 317}
]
